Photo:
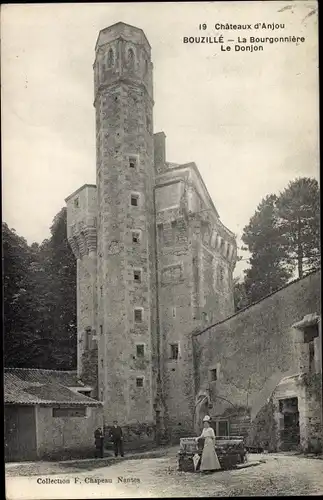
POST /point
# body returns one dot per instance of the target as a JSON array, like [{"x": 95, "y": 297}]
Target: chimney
[{"x": 159, "y": 149}]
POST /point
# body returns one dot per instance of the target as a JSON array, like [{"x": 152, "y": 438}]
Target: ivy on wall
[{"x": 263, "y": 431}]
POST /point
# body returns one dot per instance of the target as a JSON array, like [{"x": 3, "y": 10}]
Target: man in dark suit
[
  {"x": 99, "y": 443},
  {"x": 117, "y": 438}
]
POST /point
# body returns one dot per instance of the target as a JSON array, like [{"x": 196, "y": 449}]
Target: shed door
[{"x": 20, "y": 433}]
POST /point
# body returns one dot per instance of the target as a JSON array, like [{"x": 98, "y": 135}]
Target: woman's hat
[{"x": 207, "y": 418}]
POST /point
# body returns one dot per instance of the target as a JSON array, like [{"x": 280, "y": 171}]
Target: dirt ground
[{"x": 277, "y": 474}]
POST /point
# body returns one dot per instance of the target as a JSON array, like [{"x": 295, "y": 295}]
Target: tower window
[
  {"x": 174, "y": 312},
  {"x": 76, "y": 203},
  {"x": 140, "y": 350},
  {"x": 132, "y": 162},
  {"x": 131, "y": 58},
  {"x": 311, "y": 356},
  {"x": 135, "y": 237},
  {"x": 101, "y": 330},
  {"x": 174, "y": 351},
  {"x": 213, "y": 375},
  {"x": 88, "y": 338},
  {"x": 134, "y": 200},
  {"x": 110, "y": 58},
  {"x": 137, "y": 276},
  {"x": 138, "y": 315},
  {"x": 148, "y": 124},
  {"x": 139, "y": 381}
]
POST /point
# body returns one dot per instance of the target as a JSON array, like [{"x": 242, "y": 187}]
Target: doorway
[{"x": 289, "y": 432}]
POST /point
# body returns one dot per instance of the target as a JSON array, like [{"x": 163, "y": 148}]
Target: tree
[
  {"x": 241, "y": 299},
  {"x": 298, "y": 209},
  {"x": 40, "y": 300},
  {"x": 282, "y": 236},
  {"x": 21, "y": 342},
  {"x": 60, "y": 266},
  {"x": 268, "y": 268}
]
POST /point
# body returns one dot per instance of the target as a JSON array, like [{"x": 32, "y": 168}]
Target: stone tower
[
  {"x": 154, "y": 261},
  {"x": 125, "y": 227}
]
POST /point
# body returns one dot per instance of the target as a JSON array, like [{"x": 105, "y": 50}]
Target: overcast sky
[{"x": 248, "y": 120}]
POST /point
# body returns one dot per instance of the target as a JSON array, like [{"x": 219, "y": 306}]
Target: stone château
[
  {"x": 154, "y": 261},
  {"x": 159, "y": 342}
]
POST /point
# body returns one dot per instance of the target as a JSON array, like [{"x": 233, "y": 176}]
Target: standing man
[
  {"x": 99, "y": 443},
  {"x": 117, "y": 438}
]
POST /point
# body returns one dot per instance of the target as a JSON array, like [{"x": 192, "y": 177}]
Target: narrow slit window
[
  {"x": 138, "y": 315},
  {"x": 135, "y": 237},
  {"x": 311, "y": 355},
  {"x": 110, "y": 58},
  {"x": 174, "y": 351},
  {"x": 76, "y": 203},
  {"x": 137, "y": 276},
  {"x": 134, "y": 200},
  {"x": 213, "y": 375},
  {"x": 131, "y": 59},
  {"x": 139, "y": 382},
  {"x": 132, "y": 162},
  {"x": 140, "y": 350}
]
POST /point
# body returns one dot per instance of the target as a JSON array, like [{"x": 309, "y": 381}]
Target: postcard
[{"x": 161, "y": 241}]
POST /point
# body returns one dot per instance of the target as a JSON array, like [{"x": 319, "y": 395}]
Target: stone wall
[
  {"x": 67, "y": 437},
  {"x": 82, "y": 237},
  {"x": 140, "y": 436},
  {"x": 89, "y": 373},
  {"x": 255, "y": 348},
  {"x": 195, "y": 262},
  {"x": 313, "y": 387}
]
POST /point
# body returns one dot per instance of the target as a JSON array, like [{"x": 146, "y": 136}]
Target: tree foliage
[
  {"x": 282, "y": 238},
  {"x": 39, "y": 300},
  {"x": 21, "y": 343},
  {"x": 298, "y": 221}
]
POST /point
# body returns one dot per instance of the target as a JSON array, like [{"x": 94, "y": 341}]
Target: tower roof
[{"x": 120, "y": 29}]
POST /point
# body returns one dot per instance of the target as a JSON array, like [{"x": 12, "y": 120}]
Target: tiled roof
[
  {"x": 46, "y": 387},
  {"x": 68, "y": 378}
]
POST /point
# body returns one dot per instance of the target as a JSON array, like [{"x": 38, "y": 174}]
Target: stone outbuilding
[{"x": 48, "y": 414}]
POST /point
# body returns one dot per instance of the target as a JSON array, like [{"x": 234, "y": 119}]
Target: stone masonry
[
  {"x": 264, "y": 356},
  {"x": 154, "y": 261}
]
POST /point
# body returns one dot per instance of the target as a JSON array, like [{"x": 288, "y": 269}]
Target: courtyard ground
[{"x": 276, "y": 474}]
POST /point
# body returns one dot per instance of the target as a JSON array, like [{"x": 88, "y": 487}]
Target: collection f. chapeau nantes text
[
  {"x": 87, "y": 480},
  {"x": 243, "y": 44}
]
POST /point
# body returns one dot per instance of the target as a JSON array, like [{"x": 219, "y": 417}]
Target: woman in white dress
[{"x": 209, "y": 460}]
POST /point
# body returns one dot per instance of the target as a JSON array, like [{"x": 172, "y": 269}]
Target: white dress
[{"x": 209, "y": 459}]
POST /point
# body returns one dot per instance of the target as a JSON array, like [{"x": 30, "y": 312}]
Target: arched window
[
  {"x": 131, "y": 59},
  {"x": 110, "y": 58}
]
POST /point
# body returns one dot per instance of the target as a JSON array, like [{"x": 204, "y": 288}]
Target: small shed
[{"x": 48, "y": 415}]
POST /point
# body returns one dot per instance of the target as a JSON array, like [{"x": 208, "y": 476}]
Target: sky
[{"x": 249, "y": 120}]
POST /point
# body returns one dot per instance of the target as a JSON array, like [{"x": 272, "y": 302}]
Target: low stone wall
[
  {"x": 313, "y": 391},
  {"x": 135, "y": 437}
]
